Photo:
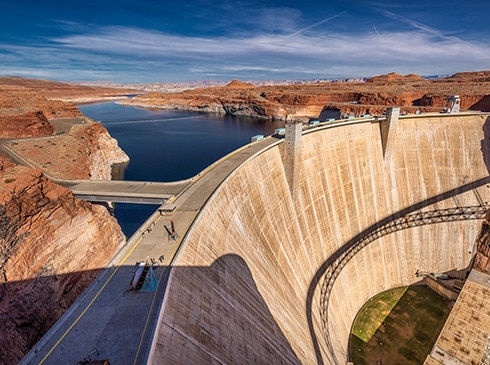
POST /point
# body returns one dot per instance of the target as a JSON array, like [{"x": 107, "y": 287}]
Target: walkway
[{"x": 110, "y": 321}]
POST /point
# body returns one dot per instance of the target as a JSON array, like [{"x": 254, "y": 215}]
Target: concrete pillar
[
  {"x": 388, "y": 128},
  {"x": 292, "y": 150}
]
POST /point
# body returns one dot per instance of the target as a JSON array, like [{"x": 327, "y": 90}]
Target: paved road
[{"x": 110, "y": 321}]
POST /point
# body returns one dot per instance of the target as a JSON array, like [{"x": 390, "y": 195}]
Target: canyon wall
[
  {"x": 482, "y": 256},
  {"x": 323, "y": 100},
  {"x": 52, "y": 245},
  {"x": 261, "y": 278}
]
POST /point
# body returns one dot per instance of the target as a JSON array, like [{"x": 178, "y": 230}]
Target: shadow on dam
[
  {"x": 244, "y": 306},
  {"x": 420, "y": 214},
  {"x": 407, "y": 218},
  {"x": 263, "y": 293},
  {"x": 100, "y": 332}
]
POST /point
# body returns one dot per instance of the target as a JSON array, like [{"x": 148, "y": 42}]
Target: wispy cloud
[
  {"x": 317, "y": 23},
  {"x": 141, "y": 54},
  {"x": 417, "y": 25},
  {"x": 143, "y": 43}
]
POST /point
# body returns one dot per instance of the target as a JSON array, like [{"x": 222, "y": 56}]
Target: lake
[{"x": 168, "y": 145}]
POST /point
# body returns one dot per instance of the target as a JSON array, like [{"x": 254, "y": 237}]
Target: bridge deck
[{"x": 119, "y": 191}]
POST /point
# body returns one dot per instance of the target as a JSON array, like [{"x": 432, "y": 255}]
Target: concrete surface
[
  {"x": 111, "y": 321},
  {"x": 122, "y": 191},
  {"x": 465, "y": 336},
  {"x": 263, "y": 278},
  {"x": 260, "y": 277}
]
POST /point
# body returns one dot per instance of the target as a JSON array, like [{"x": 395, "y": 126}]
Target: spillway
[{"x": 267, "y": 276}]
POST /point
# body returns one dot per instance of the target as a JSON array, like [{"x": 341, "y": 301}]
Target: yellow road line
[
  {"x": 90, "y": 304},
  {"x": 173, "y": 252}
]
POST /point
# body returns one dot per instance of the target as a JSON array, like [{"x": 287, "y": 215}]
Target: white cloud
[
  {"x": 107, "y": 52},
  {"x": 318, "y": 23},
  {"x": 142, "y": 43}
]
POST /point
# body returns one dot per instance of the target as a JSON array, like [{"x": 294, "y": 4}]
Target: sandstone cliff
[
  {"x": 52, "y": 245},
  {"x": 322, "y": 100},
  {"x": 87, "y": 151},
  {"x": 22, "y": 125}
]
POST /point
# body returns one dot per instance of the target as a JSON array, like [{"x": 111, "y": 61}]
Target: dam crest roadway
[{"x": 281, "y": 242}]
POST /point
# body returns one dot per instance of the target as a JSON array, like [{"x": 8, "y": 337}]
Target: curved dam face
[{"x": 265, "y": 278}]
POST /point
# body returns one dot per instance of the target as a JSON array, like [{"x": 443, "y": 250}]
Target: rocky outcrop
[
  {"x": 470, "y": 76},
  {"x": 25, "y": 125},
  {"x": 237, "y": 84},
  {"x": 394, "y": 77},
  {"x": 51, "y": 247},
  {"x": 87, "y": 151},
  {"x": 324, "y": 99},
  {"x": 104, "y": 151}
]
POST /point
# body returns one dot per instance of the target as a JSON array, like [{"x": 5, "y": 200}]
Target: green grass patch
[
  {"x": 407, "y": 334},
  {"x": 374, "y": 312}
]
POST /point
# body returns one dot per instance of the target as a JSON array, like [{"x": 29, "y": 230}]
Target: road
[{"x": 111, "y": 321}]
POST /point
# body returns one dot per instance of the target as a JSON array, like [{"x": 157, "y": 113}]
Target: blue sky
[{"x": 144, "y": 41}]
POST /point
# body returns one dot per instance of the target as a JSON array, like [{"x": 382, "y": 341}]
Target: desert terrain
[
  {"x": 47, "y": 255},
  {"x": 47, "y": 251},
  {"x": 323, "y": 100}
]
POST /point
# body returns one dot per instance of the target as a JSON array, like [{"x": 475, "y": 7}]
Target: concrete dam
[{"x": 288, "y": 249}]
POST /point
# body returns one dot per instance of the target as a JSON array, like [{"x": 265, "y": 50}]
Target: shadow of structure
[
  {"x": 227, "y": 290},
  {"x": 413, "y": 216},
  {"x": 485, "y": 143},
  {"x": 118, "y": 324},
  {"x": 246, "y": 328},
  {"x": 29, "y": 308}
]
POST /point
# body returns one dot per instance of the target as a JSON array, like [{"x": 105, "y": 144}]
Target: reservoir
[{"x": 168, "y": 145}]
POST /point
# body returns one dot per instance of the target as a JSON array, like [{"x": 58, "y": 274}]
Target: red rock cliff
[
  {"x": 28, "y": 124},
  {"x": 482, "y": 256},
  {"x": 51, "y": 247},
  {"x": 314, "y": 100}
]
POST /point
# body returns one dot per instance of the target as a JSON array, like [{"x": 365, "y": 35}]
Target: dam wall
[{"x": 265, "y": 278}]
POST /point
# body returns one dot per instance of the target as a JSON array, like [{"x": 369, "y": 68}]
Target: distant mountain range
[{"x": 181, "y": 86}]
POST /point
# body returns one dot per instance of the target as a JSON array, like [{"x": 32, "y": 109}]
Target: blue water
[{"x": 167, "y": 145}]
